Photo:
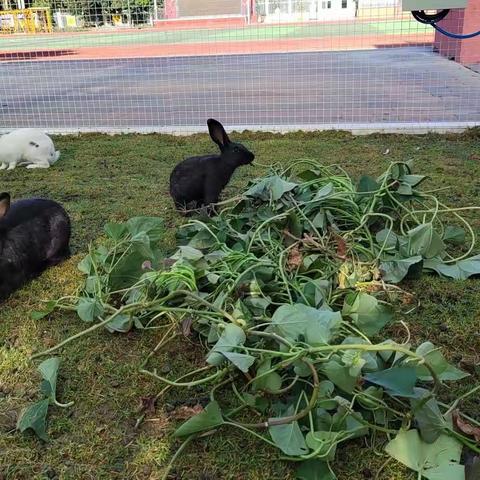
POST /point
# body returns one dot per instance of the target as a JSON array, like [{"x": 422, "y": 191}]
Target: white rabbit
[{"x": 27, "y": 146}]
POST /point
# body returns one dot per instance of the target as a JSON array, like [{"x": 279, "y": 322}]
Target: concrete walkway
[{"x": 389, "y": 85}]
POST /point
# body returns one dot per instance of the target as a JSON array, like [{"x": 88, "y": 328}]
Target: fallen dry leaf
[
  {"x": 341, "y": 247},
  {"x": 465, "y": 427},
  {"x": 187, "y": 326},
  {"x": 295, "y": 258},
  {"x": 184, "y": 413},
  {"x": 147, "y": 404}
]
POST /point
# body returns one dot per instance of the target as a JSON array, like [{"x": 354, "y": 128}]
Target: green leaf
[
  {"x": 271, "y": 382},
  {"x": 141, "y": 245},
  {"x": 394, "y": 271},
  {"x": 88, "y": 309},
  {"x": 323, "y": 441},
  {"x": 35, "y": 417},
  {"x": 240, "y": 360},
  {"x": 203, "y": 239},
  {"x": 320, "y": 219},
  {"x": 397, "y": 381},
  {"x": 428, "y": 416},
  {"x": 129, "y": 268},
  {"x": 435, "y": 461},
  {"x": 454, "y": 235},
  {"x": 86, "y": 265},
  {"x": 414, "y": 180},
  {"x": 357, "y": 428},
  {"x": 231, "y": 337},
  {"x": 208, "y": 419},
  {"x": 367, "y": 184},
  {"x": 354, "y": 361},
  {"x": 116, "y": 231},
  {"x": 153, "y": 227},
  {"x": 324, "y": 192},
  {"x": 290, "y": 321},
  {"x": 187, "y": 252},
  {"x": 309, "y": 174},
  {"x": 340, "y": 375},
  {"x": 387, "y": 239},
  {"x": 273, "y": 187},
  {"x": 325, "y": 389},
  {"x": 322, "y": 328},
  {"x": 288, "y": 438},
  {"x": 369, "y": 358},
  {"x": 425, "y": 241},
  {"x": 49, "y": 371},
  {"x": 298, "y": 320},
  {"x": 366, "y": 312},
  {"x": 121, "y": 323},
  {"x": 458, "y": 271},
  {"x": 316, "y": 291},
  {"x": 314, "y": 470},
  {"x": 434, "y": 357},
  {"x": 48, "y": 309}
]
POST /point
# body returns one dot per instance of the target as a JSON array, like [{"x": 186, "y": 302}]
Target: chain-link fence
[{"x": 168, "y": 65}]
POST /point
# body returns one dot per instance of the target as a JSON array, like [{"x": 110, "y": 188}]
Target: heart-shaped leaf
[
  {"x": 425, "y": 241},
  {"x": 428, "y": 416},
  {"x": 366, "y": 312},
  {"x": 35, "y": 417},
  {"x": 394, "y": 271},
  {"x": 434, "y": 461},
  {"x": 324, "y": 443},
  {"x": 273, "y": 187},
  {"x": 271, "y": 382},
  {"x": 88, "y": 309},
  {"x": 340, "y": 375},
  {"x": 288, "y": 438},
  {"x": 317, "y": 327},
  {"x": 458, "y": 271},
  {"x": 121, "y": 323},
  {"x": 314, "y": 470},
  {"x": 231, "y": 337},
  {"x": 47, "y": 310},
  {"x": 153, "y": 227},
  {"x": 116, "y": 231},
  {"x": 208, "y": 419},
  {"x": 240, "y": 360},
  {"x": 49, "y": 371},
  {"x": 397, "y": 381},
  {"x": 433, "y": 356},
  {"x": 454, "y": 235}
]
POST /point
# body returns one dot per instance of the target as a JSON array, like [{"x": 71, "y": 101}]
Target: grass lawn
[
  {"x": 256, "y": 32},
  {"x": 102, "y": 178}
]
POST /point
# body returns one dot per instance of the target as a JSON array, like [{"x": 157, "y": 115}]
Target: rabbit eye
[{"x": 236, "y": 149}]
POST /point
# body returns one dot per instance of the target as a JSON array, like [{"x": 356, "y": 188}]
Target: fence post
[{"x": 461, "y": 21}]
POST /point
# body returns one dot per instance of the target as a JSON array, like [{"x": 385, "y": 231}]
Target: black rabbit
[
  {"x": 200, "y": 180},
  {"x": 34, "y": 235}
]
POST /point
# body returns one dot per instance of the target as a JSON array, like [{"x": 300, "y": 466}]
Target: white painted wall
[{"x": 319, "y": 10}]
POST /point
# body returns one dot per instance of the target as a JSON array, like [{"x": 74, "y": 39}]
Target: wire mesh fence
[{"x": 145, "y": 65}]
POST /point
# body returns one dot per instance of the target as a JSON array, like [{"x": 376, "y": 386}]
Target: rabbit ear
[
  {"x": 218, "y": 133},
  {"x": 4, "y": 204}
]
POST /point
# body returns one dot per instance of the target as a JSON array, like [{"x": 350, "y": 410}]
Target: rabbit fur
[
  {"x": 34, "y": 235},
  {"x": 27, "y": 146},
  {"x": 200, "y": 180}
]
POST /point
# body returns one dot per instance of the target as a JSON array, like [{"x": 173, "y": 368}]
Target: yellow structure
[{"x": 29, "y": 20}]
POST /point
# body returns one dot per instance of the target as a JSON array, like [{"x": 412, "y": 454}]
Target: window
[
  {"x": 344, "y": 3},
  {"x": 329, "y": 4}
]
